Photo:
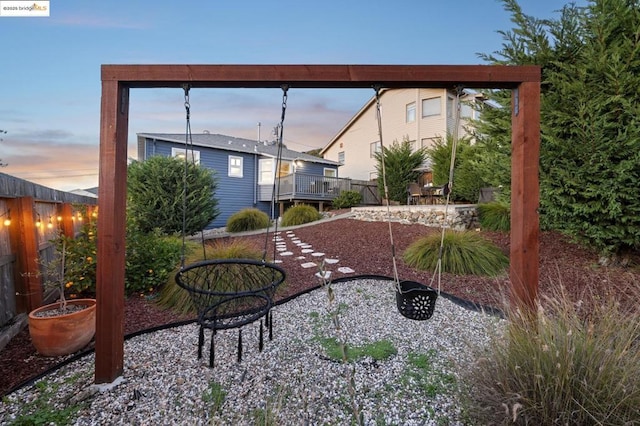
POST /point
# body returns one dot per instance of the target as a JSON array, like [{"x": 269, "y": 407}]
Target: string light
[
  {"x": 50, "y": 224},
  {"x": 7, "y": 221},
  {"x": 38, "y": 221}
]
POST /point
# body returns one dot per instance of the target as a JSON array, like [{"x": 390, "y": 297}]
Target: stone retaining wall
[{"x": 459, "y": 216}]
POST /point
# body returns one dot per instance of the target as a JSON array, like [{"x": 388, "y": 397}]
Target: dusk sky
[{"x": 50, "y": 67}]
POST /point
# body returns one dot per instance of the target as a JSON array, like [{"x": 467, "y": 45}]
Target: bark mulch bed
[{"x": 365, "y": 247}]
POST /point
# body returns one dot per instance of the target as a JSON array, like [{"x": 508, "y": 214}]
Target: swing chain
[{"x": 187, "y": 105}]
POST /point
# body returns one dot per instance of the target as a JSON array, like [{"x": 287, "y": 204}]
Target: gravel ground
[{"x": 293, "y": 381}]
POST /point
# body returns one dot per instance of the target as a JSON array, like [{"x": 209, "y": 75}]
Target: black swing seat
[
  {"x": 230, "y": 293},
  {"x": 415, "y": 301}
]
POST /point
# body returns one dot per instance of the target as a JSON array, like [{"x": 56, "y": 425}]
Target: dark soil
[{"x": 365, "y": 247}]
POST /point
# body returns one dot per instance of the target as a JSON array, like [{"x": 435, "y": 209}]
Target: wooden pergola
[{"x": 524, "y": 81}]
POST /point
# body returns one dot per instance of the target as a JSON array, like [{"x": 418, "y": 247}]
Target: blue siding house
[{"x": 245, "y": 170}]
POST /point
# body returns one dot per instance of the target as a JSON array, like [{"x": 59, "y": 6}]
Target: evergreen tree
[
  {"x": 401, "y": 163},
  {"x": 156, "y": 188},
  {"x": 589, "y": 164}
]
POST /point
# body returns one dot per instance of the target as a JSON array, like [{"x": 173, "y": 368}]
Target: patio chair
[{"x": 414, "y": 193}]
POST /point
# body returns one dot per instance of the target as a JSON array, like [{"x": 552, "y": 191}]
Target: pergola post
[
  {"x": 525, "y": 195},
  {"x": 112, "y": 192},
  {"x": 117, "y": 79}
]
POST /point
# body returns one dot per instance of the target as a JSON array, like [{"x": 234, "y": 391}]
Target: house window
[
  {"x": 329, "y": 172},
  {"x": 235, "y": 166},
  {"x": 266, "y": 173},
  {"x": 341, "y": 157},
  {"x": 431, "y": 107},
  {"x": 411, "y": 112},
  {"x": 373, "y": 175},
  {"x": 194, "y": 156},
  {"x": 374, "y": 147},
  {"x": 428, "y": 143},
  {"x": 450, "y": 106},
  {"x": 466, "y": 110}
]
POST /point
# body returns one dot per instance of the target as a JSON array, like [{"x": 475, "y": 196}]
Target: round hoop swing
[
  {"x": 415, "y": 300},
  {"x": 229, "y": 293}
]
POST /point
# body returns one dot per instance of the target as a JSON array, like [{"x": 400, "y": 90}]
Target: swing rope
[
  {"x": 396, "y": 280},
  {"x": 437, "y": 273},
  {"x": 275, "y": 191}
]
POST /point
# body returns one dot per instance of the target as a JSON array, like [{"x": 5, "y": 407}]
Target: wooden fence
[
  {"x": 369, "y": 191},
  {"x": 31, "y": 216}
]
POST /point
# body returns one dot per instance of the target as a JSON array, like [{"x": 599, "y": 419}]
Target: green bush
[
  {"x": 347, "y": 199},
  {"x": 300, "y": 214},
  {"x": 247, "y": 220},
  {"x": 174, "y": 297},
  {"x": 401, "y": 163},
  {"x": 467, "y": 177},
  {"x": 156, "y": 188},
  {"x": 150, "y": 259},
  {"x": 494, "y": 216},
  {"x": 569, "y": 366},
  {"x": 463, "y": 253}
]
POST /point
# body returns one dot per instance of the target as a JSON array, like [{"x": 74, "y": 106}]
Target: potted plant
[{"x": 68, "y": 325}]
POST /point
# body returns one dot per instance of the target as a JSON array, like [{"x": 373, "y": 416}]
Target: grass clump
[
  {"x": 378, "y": 350},
  {"x": 347, "y": 199},
  {"x": 247, "y": 220},
  {"x": 494, "y": 216},
  {"x": 569, "y": 365},
  {"x": 44, "y": 411},
  {"x": 174, "y": 297},
  {"x": 463, "y": 253},
  {"x": 214, "y": 396},
  {"x": 422, "y": 371},
  {"x": 300, "y": 214}
]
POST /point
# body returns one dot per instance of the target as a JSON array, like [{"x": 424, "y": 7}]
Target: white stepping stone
[
  {"x": 317, "y": 254},
  {"x": 327, "y": 275},
  {"x": 294, "y": 241},
  {"x": 346, "y": 270},
  {"x": 286, "y": 253},
  {"x": 281, "y": 248},
  {"x": 306, "y": 251},
  {"x": 305, "y": 246},
  {"x": 300, "y": 258},
  {"x": 331, "y": 261},
  {"x": 309, "y": 265},
  {"x": 277, "y": 261}
]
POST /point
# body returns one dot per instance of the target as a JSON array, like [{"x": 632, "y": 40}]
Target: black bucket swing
[
  {"x": 414, "y": 300},
  {"x": 229, "y": 293}
]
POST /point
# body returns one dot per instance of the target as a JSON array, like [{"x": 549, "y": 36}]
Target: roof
[{"x": 230, "y": 143}]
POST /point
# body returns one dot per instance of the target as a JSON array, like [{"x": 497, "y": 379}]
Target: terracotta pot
[{"x": 56, "y": 335}]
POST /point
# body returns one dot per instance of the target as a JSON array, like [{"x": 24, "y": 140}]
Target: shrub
[
  {"x": 347, "y": 199},
  {"x": 463, "y": 252},
  {"x": 494, "y": 216},
  {"x": 300, "y": 214},
  {"x": 150, "y": 259},
  {"x": 247, "y": 220},
  {"x": 155, "y": 190},
  {"x": 401, "y": 162},
  {"x": 570, "y": 366},
  {"x": 174, "y": 297}
]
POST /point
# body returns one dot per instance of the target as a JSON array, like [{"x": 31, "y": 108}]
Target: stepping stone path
[{"x": 303, "y": 249}]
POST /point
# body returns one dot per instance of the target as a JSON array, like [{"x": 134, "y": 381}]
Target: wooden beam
[
  {"x": 525, "y": 195},
  {"x": 65, "y": 212},
  {"x": 117, "y": 79},
  {"x": 321, "y": 76},
  {"x": 24, "y": 240},
  {"x": 111, "y": 232}
]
